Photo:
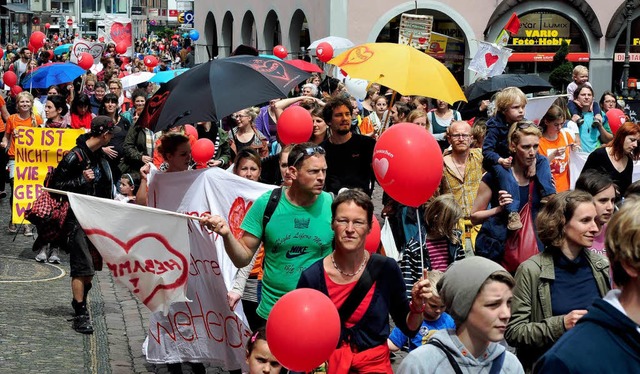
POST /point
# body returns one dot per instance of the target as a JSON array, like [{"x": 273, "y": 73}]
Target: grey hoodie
[{"x": 430, "y": 359}]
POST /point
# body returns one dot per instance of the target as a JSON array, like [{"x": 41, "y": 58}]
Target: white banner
[
  {"x": 490, "y": 60},
  {"x": 205, "y": 330},
  {"x": 577, "y": 161},
  {"x": 95, "y": 49},
  {"x": 150, "y": 258},
  {"x": 415, "y": 30},
  {"x": 117, "y": 30},
  {"x": 537, "y": 107}
]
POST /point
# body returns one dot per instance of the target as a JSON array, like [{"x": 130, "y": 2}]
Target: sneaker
[
  {"x": 82, "y": 324},
  {"x": 42, "y": 255},
  {"x": 514, "y": 222},
  {"x": 54, "y": 256},
  {"x": 28, "y": 230},
  {"x": 13, "y": 228}
]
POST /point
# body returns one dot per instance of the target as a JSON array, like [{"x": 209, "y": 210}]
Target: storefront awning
[
  {"x": 546, "y": 57},
  {"x": 17, "y": 8}
]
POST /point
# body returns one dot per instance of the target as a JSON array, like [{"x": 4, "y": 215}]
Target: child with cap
[
  {"x": 435, "y": 318},
  {"x": 477, "y": 293}
]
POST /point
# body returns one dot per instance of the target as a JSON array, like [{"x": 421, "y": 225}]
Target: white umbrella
[
  {"x": 336, "y": 42},
  {"x": 136, "y": 78}
]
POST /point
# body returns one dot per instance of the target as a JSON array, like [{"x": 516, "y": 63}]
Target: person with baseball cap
[{"x": 84, "y": 170}]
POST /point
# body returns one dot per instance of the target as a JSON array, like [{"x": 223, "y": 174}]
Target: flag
[
  {"x": 537, "y": 107},
  {"x": 490, "y": 60},
  {"x": 513, "y": 24},
  {"x": 145, "y": 249},
  {"x": 502, "y": 39}
]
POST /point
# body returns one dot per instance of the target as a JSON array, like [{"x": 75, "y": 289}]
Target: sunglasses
[
  {"x": 525, "y": 125},
  {"x": 311, "y": 151}
]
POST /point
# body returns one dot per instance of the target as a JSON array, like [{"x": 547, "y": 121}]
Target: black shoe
[{"x": 82, "y": 324}]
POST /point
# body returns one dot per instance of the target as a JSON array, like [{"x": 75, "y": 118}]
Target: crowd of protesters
[{"x": 457, "y": 300}]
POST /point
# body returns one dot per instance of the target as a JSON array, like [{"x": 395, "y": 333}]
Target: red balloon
[
  {"x": 11, "y": 67},
  {"x": 203, "y": 150},
  {"x": 174, "y": 43},
  {"x": 616, "y": 118},
  {"x": 161, "y": 47},
  {"x": 174, "y": 36},
  {"x": 10, "y": 78},
  {"x": 47, "y": 25},
  {"x": 303, "y": 329},
  {"x": 191, "y": 131},
  {"x": 51, "y": 55},
  {"x": 150, "y": 61},
  {"x": 15, "y": 90},
  {"x": 394, "y": 163},
  {"x": 1, "y": 53},
  {"x": 37, "y": 39},
  {"x": 55, "y": 37},
  {"x": 324, "y": 52},
  {"x": 85, "y": 60},
  {"x": 121, "y": 48},
  {"x": 372, "y": 242},
  {"x": 295, "y": 125},
  {"x": 33, "y": 48},
  {"x": 280, "y": 51}
]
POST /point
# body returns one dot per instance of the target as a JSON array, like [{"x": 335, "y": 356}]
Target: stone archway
[
  {"x": 211, "y": 35},
  {"x": 299, "y": 35},
  {"x": 248, "y": 30},
  {"x": 227, "y": 34},
  {"x": 272, "y": 32}
]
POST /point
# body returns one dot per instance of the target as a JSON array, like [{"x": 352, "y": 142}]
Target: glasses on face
[
  {"x": 460, "y": 136},
  {"x": 311, "y": 151},
  {"x": 236, "y": 116},
  {"x": 357, "y": 224}
]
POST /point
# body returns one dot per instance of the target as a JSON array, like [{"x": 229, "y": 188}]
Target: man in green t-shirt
[{"x": 298, "y": 233}]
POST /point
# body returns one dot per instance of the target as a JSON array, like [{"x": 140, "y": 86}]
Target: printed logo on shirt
[
  {"x": 296, "y": 251},
  {"x": 301, "y": 223}
]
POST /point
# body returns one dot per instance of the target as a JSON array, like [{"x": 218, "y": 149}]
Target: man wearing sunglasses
[
  {"x": 349, "y": 155},
  {"x": 296, "y": 234}
]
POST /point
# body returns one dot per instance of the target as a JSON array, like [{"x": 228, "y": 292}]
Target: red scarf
[
  {"x": 373, "y": 360},
  {"x": 78, "y": 122}
]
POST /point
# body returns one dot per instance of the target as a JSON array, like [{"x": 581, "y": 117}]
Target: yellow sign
[
  {"x": 541, "y": 37},
  {"x": 438, "y": 44},
  {"x": 37, "y": 151}
]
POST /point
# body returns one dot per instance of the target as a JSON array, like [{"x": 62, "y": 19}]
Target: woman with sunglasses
[
  {"x": 556, "y": 145},
  {"x": 115, "y": 150},
  {"x": 523, "y": 140},
  {"x": 245, "y": 135}
]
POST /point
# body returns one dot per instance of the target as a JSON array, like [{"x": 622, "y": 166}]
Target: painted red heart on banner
[
  {"x": 422, "y": 40},
  {"x": 490, "y": 59},
  {"x": 94, "y": 50},
  {"x": 143, "y": 260},
  {"x": 121, "y": 33},
  {"x": 237, "y": 212}
]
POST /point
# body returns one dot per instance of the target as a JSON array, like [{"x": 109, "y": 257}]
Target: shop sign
[
  {"x": 633, "y": 57},
  {"x": 543, "y": 29}
]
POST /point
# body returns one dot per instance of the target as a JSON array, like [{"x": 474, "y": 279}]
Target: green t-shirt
[{"x": 295, "y": 238}]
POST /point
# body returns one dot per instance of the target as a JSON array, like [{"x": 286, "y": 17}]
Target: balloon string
[{"x": 420, "y": 239}]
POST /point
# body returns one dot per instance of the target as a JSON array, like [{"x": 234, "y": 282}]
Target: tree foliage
[{"x": 561, "y": 75}]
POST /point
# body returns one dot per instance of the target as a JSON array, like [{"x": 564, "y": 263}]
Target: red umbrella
[{"x": 305, "y": 66}]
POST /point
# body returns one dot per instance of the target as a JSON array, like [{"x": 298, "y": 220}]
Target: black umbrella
[
  {"x": 218, "y": 88},
  {"x": 485, "y": 88}
]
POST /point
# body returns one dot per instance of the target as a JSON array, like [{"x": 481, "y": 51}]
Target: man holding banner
[
  {"x": 84, "y": 170},
  {"x": 297, "y": 234}
]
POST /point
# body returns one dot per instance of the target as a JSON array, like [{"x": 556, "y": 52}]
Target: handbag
[
  {"x": 521, "y": 244},
  {"x": 263, "y": 148}
]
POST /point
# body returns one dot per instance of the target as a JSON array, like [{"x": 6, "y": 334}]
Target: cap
[{"x": 102, "y": 124}]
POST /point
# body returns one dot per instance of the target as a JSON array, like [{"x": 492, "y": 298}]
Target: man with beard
[{"x": 349, "y": 156}]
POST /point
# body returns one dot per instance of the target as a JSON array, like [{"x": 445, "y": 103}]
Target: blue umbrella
[
  {"x": 165, "y": 76},
  {"x": 52, "y": 74},
  {"x": 62, "y": 49}
]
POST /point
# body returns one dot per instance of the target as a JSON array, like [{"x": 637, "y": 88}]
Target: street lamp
[{"x": 625, "y": 68}]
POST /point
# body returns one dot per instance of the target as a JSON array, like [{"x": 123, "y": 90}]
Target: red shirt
[{"x": 338, "y": 294}]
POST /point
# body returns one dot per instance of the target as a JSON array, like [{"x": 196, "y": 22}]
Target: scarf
[{"x": 78, "y": 122}]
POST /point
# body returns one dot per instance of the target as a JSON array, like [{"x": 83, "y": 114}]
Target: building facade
[{"x": 594, "y": 29}]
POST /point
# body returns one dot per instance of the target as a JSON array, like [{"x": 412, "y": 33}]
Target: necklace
[{"x": 364, "y": 261}]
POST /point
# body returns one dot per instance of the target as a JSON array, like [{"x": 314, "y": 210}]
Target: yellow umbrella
[{"x": 402, "y": 68}]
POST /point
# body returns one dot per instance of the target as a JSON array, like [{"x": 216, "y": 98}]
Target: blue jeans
[{"x": 507, "y": 182}]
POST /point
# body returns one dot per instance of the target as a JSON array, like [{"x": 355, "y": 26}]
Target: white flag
[
  {"x": 490, "y": 60},
  {"x": 146, "y": 249},
  {"x": 537, "y": 107}
]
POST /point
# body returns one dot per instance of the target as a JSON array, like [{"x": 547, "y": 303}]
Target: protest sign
[
  {"x": 117, "y": 30},
  {"x": 204, "y": 330},
  {"x": 95, "y": 49},
  {"x": 37, "y": 151},
  {"x": 415, "y": 30},
  {"x": 490, "y": 59},
  {"x": 150, "y": 258}
]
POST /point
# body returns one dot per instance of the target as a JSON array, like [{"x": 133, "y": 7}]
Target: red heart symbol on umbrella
[
  {"x": 490, "y": 59},
  {"x": 422, "y": 40},
  {"x": 356, "y": 56},
  {"x": 271, "y": 68},
  {"x": 237, "y": 212},
  {"x": 141, "y": 260},
  {"x": 121, "y": 33}
]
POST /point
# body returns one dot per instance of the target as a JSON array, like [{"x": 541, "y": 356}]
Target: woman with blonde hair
[
  {"x": 419, "y": 117},
  {"x": 23, "y": 118},
  {"x": 245, "y": 135},
  {"x": 442, "y": 244}
]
